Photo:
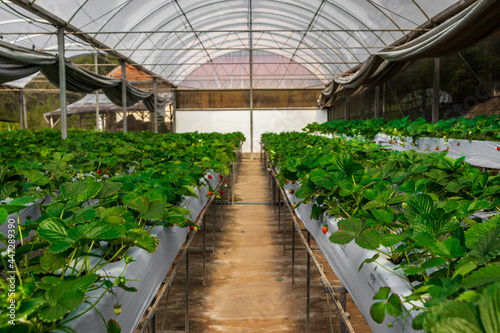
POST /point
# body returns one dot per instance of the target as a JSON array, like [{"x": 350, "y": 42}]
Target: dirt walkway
[{"x": 248, "y": 278}]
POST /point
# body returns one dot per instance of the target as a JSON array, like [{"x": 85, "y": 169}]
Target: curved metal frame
[{"x": 274, "y": 15}]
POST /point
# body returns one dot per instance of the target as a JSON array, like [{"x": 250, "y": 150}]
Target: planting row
[
  {"x": 479, "y": 128},
  {"x": 92, "y": 199},
  {"x": 432, "y": 217}
]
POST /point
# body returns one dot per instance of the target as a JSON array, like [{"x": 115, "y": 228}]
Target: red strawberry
[
  {"x": 447, "y": 148},
  {"x": 395, "y": 142},
  {"x": 288, "y": 182},
  {"x": 324, "y": 228},
  {"x": 209, "y": 176},
  {"x": 191, "y": 227},
  {"x": 339, "y": 229},
  {"x": 458, "y": 143},
  {"x": 390, "y": 142},
  {"x": 498, "y": 148},
  {"x": 98, "y": 171},
  {"x": 426, "y": 148},
  {"x": 210, "y": 193},
  {"x": 221, "y": 192},
  {"x": 226, "y": 180},
  {"x": 293, "y": 181},
  {"x": 437, "y": 148},
  {"x": 291, "y": 191},
  {"x": 221, "y": 176}
]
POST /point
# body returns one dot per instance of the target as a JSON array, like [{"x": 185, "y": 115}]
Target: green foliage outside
[{"x": 39, "y": 102}]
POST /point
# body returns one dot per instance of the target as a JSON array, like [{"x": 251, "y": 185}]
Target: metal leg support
[
  {"x": 343, "y": 302},
  {"x": 308, "y": 284},
  {"x": 186, "y": 323},
  {"x": 279, "y": 211},
  {"x": 284, "y": 232},
  {"x": 214, "y": 225},
  {"x": 204, "y": 252},
  {"x": 293, "y": 254}
]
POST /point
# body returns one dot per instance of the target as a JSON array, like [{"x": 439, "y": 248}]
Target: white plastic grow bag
[
  {"x": 345, "y": 261},
  {"x": 151, "y": 269},
  {"x": 479, "y": 153}
]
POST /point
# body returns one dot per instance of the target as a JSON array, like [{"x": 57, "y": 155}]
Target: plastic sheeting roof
[{"x": 173, "y": 38}]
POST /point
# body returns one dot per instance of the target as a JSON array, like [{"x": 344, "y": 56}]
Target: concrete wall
[{"x": 239, "y": 120}]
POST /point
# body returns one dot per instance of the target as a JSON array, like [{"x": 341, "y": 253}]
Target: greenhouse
[{"x": 250, "y": 166}]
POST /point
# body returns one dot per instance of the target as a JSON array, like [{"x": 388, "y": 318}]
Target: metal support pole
[
  {"x": 308, "y": 283},
  {"x": 155, "y": 117},
  {"x": 62, "y": 82},
  {"x": 174, "y": 111},
  {"x": 273, "y": 196},
  {"x": 435, "y": 94},
  {"x": 277, "y": 190},
  {"x": 204, "y": 252},
  {"x": 97, "y": 117},
  {"x": 284, "y": 230},
  {"x": 267, "y": 181},
  {"x": 124, "y": 95},
  {"x": 293, "y": 256},
  {"x": 377, "y": 102},
  {"x": 279, "y": 210},
  {"x": 233, "y": 183},
  {"x": 186, "y": 319},
  {"x": 343, "y": 302},
  {"x": 20, "y": 110},
  {"x": 346, "y": 108},
  {"x": 250, "y": 45},
  {"x": 214, "y": 207},
  {"x": 25, "y": 111},
  {"x": 383, "y": 100}
]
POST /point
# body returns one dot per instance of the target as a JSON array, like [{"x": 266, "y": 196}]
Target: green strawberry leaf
[
  {"x": 382, "y": 293},
  {"x": 73, "y": 189},
  {"x": 109, "y": 189},
  {"x": 3, "y": 216},
  {"x": 90, "y": 192},
  {"x": 139, "y": 204},
  {"x": 485, "y": 275},
  {"x": 60, "y": 305},
  {"x": 393, "y": 306},
  {"x": 113, "y": 327},
  {"x": 487, "y": 247},
  {"x": 382, "y": 215},
  {"x": 489, "y": 306},
  {"x": 391, "y": 239},
  {"x": 23, "y": 201},
  {"x": 377, "y": 312},
  {"x": 53, "y": 229},
  {"x": 369, "y": 239},
  {"x": 342, "y": 237}
]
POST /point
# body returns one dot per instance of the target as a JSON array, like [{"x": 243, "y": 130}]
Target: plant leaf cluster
[{"x": 415, "y": 210}]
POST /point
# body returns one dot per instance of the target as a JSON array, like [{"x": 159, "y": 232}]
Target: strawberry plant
[
  {"x": 108, "y": 191},
  {"x": 482, "y": 127},
  {"x": 417, "y": 210}
]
